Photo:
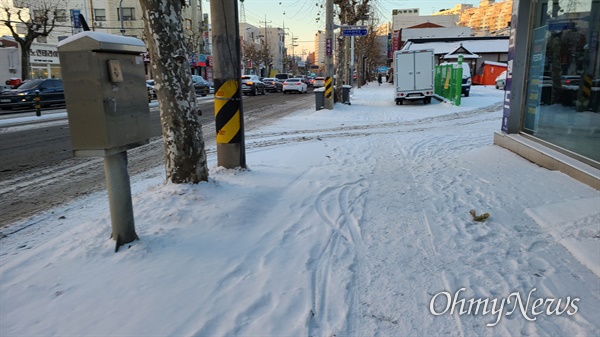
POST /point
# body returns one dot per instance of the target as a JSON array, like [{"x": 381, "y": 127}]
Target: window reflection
[{"x": 563, "y": 88}]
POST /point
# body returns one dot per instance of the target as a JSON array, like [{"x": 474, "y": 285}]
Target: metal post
[
  {"x": 229, "y": 117},
  {"x": 351, "y": 61},
  {"x": 38, "y": 106},
  {"x": 329, "y": 43},
  {"x": 458, "y": 83},
  {"x": 119, "y": 199}
]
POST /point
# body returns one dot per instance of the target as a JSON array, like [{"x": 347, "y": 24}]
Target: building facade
[
  {"x": 320, "y": 51},
  {"x": 552, "y": 98},
  {"x": 123, "y": 17}
]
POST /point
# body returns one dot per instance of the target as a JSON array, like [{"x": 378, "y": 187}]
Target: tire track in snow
[
  {"x": 336, "y": 206},
  {"x": 334, "y": 282}
]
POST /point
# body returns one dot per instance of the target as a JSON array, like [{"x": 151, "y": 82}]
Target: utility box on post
[
  {"x": 105, "y": 91},
  {"x": 107, "y": 105}
]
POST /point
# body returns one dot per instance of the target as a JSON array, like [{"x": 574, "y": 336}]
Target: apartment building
[
  {"x": 320, "y": 50},
  {"x": 490, "y": 16}
]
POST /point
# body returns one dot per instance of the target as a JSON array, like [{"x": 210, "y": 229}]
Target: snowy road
[{"x": 38, "y": 170}]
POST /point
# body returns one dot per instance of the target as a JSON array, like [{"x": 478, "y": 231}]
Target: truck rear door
[
  {"x": 424, "y": 70},
  {"x": 405, "y": 71}
]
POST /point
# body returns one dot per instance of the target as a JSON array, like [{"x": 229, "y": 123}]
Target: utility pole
[
  {"x": 284, "y": 52},
  {"x": 294, "y": 64},
  {"x": 229, "y": 117},
  {"x": 329, "y": 54},
  {"x": 266, "y": 47},
  {"x": 92, "y": 17}
]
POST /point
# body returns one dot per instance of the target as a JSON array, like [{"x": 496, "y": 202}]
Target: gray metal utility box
[{"x": 105, "y": 91}]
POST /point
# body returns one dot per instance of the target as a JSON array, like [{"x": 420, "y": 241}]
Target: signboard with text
[{"x": 355, "y": 32}]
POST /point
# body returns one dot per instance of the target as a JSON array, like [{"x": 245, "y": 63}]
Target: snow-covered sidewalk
[{"x": 348, "y": 222}]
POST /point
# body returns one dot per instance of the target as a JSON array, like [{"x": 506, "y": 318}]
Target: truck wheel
[{"x": 467, "y": 94}]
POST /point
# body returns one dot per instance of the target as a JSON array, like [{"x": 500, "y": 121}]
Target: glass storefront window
[
  {"x": 45, "y": 71},
  {"x": 563, "y": 83}
]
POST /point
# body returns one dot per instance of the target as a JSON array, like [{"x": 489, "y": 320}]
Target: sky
[
  {"x": 347, "y": 222},
  {"x": 300, "y": 15}
]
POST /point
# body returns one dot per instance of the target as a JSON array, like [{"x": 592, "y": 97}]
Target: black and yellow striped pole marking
[
  {"x": 328, "y": 93},
  {"x": 583, "y": 95},
  {"x": 38, "y": 105},
  {"x": 229, "y": 124}
]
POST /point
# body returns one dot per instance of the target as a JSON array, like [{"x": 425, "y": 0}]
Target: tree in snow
[
  {"x": 368, "y": 48},
  {"x": 185, "y": 156},
  {"x": 257, "y": 54},
  {"x": 33, "y": 19},
  {"x": 350, "y": 13}
]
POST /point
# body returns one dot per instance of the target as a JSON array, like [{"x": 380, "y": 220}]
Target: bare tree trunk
[
  {"x": 339, "y": 71},
  {"x": 25, "y": 61},
  {"x": 185, "y": 157}
]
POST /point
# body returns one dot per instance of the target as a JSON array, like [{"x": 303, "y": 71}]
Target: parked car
[
  {"x": 50, "y": 90},
  {"x": 501, "y": 81},
  {"x": 319, "y": 82},
  {"x": 570, "y": 80},
  {"x": 201, "y": 86},
  {"x": 466, "y": 78},
  {"x": 251, "y": 84},
  {"x": 272, "y": 84},
  {"x": 569, "y": 89},
  {"x": 14, "y": 82},
  {"x": 150, "y": 89},
  {"x": 294, "y": 84}
]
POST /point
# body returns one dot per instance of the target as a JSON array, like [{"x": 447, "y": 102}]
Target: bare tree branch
[{"x": 39, "y": 19}]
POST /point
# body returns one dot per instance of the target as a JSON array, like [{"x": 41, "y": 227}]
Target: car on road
[
  {"x": 501, "y": 80},
  {"x": 294, "y": 84},
  {"x": 283, "y": 76},
  {"x": 251, "y": 84},
  {"x": 319, "y": 82},
  {"x": 50, "y": 90},
  {"x": 303, "y": 78},
  {"x": 272, "y": 84},
  {"x": 201, "y": 86}
]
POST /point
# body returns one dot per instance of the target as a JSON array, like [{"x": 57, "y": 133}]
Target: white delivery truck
[{"x": 413, "y": 75}]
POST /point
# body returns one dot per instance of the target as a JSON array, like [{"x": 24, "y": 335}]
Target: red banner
[{"x": 395, "y": 41}]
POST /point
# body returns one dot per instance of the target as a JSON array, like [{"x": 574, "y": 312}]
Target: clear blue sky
[{"x": 300, "y": 16}]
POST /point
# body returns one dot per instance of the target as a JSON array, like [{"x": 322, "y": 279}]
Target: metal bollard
[
  {"x": 319, "y": 98},
  {"x": 38, "y": 106},
  {"x": 346, "y": 94}
]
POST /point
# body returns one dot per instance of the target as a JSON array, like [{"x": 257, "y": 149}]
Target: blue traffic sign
[{"x": 354, "y": 32}]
